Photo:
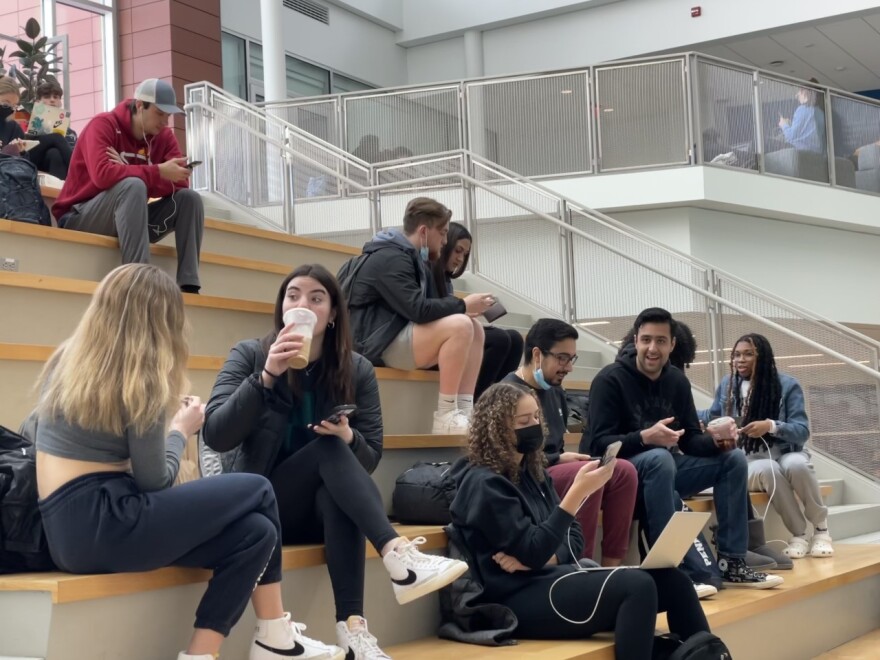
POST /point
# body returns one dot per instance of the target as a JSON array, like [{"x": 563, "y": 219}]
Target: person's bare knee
[
  {"x": 479, "y": 334},
  {"x": 430, "y": 338}
]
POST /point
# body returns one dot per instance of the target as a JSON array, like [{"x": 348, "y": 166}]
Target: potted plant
[{"x": 37, "y": 62}]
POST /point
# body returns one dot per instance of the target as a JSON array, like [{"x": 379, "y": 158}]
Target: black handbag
[{"x": 423, "y": 494}]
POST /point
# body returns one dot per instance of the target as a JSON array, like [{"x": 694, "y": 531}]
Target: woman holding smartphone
[
  {"x": 523, "y": 539},
  {"x": 502, "y": 349},
  {"x": 275, "y": 420}
]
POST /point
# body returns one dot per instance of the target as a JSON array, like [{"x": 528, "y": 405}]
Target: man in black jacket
[
  {"x": 647, "y": 404},
  {"x": 398, "y": 323}
]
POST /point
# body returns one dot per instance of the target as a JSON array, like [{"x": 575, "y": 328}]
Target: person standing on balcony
[
  {"x": 805, "y": 131},
  {"x": 774, "y": 431},
  {"x": 644, "y": 402},
  {"x": 281, "y": 422},
  {"x": 550, "y": 355},
  {"x": 502, "y": 349},
  {"x": 122, "y": 160},
  {"x": 398, "y": 321}
]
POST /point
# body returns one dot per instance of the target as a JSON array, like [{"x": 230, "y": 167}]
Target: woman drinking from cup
[{"x": 279, "y": 409}]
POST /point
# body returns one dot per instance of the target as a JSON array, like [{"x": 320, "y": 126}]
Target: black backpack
[
  {"x": 699, "y": 646},
  {"x": 22, "y": 540},
  {"x": 347, "y": 274},
  {"x": 423, "y": 494},
  {"x": 20, "y": 196}
]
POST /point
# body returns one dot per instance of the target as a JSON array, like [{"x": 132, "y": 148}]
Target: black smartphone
[
  {"x": 495, "y": 312},
  {"x": 348, "y": 409},
  {"x": 193, "y": 163},
  {"x": 610, "y": 453}
]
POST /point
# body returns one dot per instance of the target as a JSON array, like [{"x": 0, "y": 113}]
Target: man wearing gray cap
[{"x": 123, "y": 159}]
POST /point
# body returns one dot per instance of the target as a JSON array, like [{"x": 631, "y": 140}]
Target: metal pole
[
  {"x": 566, "y": 247},
  {"x": 375, "y": 203},
  {"x": 470, "y": 206},
  {"x": 759, "y": 125},
  {"x": 829, "y": 139}
]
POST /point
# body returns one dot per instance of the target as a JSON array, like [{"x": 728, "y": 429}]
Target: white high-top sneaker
[
  {"x": 357, "y": 642},
  {"x": 275, "y": 639},
  {"x": 201, "y": 656},
  {"x": 415, "y": 574}
]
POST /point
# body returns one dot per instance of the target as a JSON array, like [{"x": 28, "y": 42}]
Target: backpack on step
[
  {"x": 699, "y": 646},
  {"x": 20, "y": 196},
  {"x": 423, "y": 494}
]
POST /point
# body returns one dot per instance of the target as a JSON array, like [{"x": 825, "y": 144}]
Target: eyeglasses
[{"x": 562, "y": 358}]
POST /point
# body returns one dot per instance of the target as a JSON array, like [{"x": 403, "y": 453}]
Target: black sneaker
[{"x": 737, "y": 574}]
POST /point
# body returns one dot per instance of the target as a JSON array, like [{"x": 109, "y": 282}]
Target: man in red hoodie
[{"x": 124, "y": 158}]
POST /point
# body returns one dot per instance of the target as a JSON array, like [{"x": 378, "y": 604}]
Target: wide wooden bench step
[
  {"x": 705, "y": 503},
  {"x": 809, "y": 578},
  {"x": 68, "y": 588},
  {"x": 866, "y": 647}
]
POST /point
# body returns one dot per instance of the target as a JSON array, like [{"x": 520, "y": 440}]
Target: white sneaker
[
  {"x": 453, "y": 422},
  {"x": 276, "y": 639},
  {"x": 704, "y": 590},
  {"x": 415, "y": 574},
  {"x": 357, "y": 642},
  {"x": 201, "y": 656}
]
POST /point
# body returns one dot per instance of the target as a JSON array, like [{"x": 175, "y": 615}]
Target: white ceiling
[{"x": 840, "y": 53}]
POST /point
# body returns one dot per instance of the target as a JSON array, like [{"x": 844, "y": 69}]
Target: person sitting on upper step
[
  {"x": 550, "y": 355},
  {"x": 109, "y": 438},
  {"x": 122, "y": 159},
  {"x": 525, "y": 542},
  {"x": 272, "y": 409},
  {"x": 54, "y": 150},
  {"x": 774, "y": 431},
  {"x": 398, "y": 321},
  {"x": 647, "y": 404},
  {"x": 502, "y": 349}
]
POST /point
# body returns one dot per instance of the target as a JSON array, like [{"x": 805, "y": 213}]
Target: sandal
[
  {"x": 797, "y": 548},
  {"x": 821, "y": 545}
]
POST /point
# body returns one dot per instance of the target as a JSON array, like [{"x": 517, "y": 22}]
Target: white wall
[
  {"x": 351, "y": 44},
  {"x": 436, "y": 61},
  {"x": 600, "y": 33}
]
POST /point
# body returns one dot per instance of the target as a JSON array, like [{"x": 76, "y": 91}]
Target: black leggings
[
  {"x": 502, "y": 351},
  {"x": 629, "y": 606},
  {"x": 325, "y": 495},
  {"x": 52, "y": 155}
]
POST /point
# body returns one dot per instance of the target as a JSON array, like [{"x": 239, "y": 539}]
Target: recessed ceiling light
[
  {"x": 777, "y": 62},
  {"x": 840, "y": 68}
]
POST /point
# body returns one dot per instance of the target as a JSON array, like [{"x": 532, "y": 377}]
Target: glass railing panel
[{"x": 856, "y": 131}]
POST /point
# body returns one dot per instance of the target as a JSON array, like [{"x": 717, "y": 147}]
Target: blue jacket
[
  {"x": 807, "y": 130},
  {"x": 792, "y": 425}
]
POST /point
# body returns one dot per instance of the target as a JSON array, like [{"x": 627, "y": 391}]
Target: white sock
[
  {"x": 466, "y": 403},
  {"x": 276, "y": 632},
  {"x": 446, "y": 403},
  {"x": 822, "y": 526}
]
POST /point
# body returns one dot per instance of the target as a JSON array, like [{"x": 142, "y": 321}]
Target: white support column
[
  {"x": 274, "y": 66},
  {"x": 473, "y": 54}
]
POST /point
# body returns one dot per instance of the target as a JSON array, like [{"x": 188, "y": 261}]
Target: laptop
[
  {"x": 47, "y": 119},
  {"x": 675, "y": 540}
]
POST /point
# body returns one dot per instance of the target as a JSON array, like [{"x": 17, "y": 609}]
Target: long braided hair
[{"x": 765, "y": 392}]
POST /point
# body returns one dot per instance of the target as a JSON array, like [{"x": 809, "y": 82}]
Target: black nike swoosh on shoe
[
  {"x": 349, "y": 655},
  {"x": 408, "y": 580},
  {"x": 297, "y": 649}
]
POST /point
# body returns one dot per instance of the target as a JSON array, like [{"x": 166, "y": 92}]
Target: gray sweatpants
[
  {"x": 783, "y": 477},
  {"x": 122, "y": 211}
]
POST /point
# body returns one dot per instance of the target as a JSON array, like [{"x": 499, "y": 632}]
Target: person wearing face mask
[
  {"x": 10, "y": 130},
  {"x": 550, "y": 355},
  {"x": 647, "y": 405},
  {"x": 502, "y": 348},
  {"x": 399, "y": 321},
  {"x": 123, "y": 159},
  {"x": 278, "y": 421},
  {"x": 774, "y": 431},
  {"x": 524, "y": 539}
]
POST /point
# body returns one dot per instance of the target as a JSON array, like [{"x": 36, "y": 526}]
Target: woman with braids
[
  {"x": 523, "y": 539},
  {"x": 278, "y": 422},
  {"x": 774, "y": 430},
  {"x": 502, "y": 349}
]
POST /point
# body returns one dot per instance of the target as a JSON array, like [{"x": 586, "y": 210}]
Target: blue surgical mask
[
  {"x": 423, "y": 253},
  {"x": 540, "y": 380}
]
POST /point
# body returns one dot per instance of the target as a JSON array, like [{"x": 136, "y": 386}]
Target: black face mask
[
  {"x": 5, "y": 112},
  {"x": 529, "y": 438}
]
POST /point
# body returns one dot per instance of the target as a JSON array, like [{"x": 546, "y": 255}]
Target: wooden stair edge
[{"x": 69, "y": 588}]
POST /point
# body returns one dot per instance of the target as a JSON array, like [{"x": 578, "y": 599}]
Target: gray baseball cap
[{"x": 153, "y": 90}]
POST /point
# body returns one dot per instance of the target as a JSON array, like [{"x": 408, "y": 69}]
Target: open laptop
[{"x": 675, "y": 540}]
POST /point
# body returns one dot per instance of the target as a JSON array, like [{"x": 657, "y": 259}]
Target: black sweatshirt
[
  {"x": 624, "y": 402},
  {"x": 495, "y": 515},
  {"x": 555, "y": 410}
]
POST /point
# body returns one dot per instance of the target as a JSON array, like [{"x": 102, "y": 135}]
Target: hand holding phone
[
  {"x": 348, "y": 409},
  {"x": 495, "y": 312},
  {"x": 191, "y": 164},
  {"x": 610, "y": 453}
]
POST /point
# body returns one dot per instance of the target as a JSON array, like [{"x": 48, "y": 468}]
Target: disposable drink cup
[{"x": 303, "y": 321}]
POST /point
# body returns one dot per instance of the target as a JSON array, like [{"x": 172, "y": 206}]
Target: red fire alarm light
[{"x": 696, "y": 11}]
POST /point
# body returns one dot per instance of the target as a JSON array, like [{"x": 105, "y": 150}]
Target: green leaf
[
  {"x": 23, "y": 79},
  {"x": 32, "y": 28},
  {"x": 41, "y": 43},
  {"x": 24, "y": 45},
  {"x": 17, "y": 53}
]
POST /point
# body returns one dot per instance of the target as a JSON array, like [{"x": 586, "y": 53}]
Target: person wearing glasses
[{"x": 549, "y": 355}]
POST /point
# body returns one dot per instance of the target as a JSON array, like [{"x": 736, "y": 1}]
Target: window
[
  {"x": 343, "y": 84},
  {"x": 304, "y": 79},
  {"x": 234, "y": 64}
]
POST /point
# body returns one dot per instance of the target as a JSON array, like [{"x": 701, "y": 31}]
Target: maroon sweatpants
[{"x": 617, "y": 499}]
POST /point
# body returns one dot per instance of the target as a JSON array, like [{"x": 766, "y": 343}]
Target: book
[{"x": 47, "y": 119}]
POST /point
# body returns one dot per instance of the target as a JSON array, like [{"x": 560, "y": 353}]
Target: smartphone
[
  {"x": 349, "y": 409},
  {"x": 495, "y": 312},
  {"x": 193, "y": 163},
  {"x": 610, "y": 453}
]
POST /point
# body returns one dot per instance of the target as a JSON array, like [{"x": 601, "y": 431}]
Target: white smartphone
[{"x": 610, "y": 453}]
